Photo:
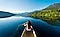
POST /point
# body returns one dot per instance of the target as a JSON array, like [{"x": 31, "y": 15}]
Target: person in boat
[{"x": 28, "y": 25}]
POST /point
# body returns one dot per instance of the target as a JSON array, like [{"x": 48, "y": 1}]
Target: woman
[{"x": 28, "y": 26}]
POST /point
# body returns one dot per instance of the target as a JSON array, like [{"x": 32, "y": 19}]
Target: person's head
[{"x": 29, "y": 23}]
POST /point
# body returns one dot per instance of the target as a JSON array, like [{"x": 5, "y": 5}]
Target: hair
[{"x": 29, "y": 23}]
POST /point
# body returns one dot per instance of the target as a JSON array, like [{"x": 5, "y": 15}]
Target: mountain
[
  {"x": 5, "y": 14},
  {"x": 50, "y": 14},
  {"x": 54, "y": 6},
  {"x": 25, "y": 14}
]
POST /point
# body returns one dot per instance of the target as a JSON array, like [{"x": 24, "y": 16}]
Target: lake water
[{"x": 8, "y": 27}]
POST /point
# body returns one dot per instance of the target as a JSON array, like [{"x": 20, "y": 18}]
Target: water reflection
[{"x": 8, "y": 27}]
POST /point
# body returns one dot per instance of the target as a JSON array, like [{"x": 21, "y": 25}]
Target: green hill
[{"x": 50, "y": 14}]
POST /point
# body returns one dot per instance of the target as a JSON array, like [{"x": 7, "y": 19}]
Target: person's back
[{"x": 28, "y": 26}]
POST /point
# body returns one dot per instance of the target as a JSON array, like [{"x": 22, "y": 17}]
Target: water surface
[{"x": 8, "y": 27}]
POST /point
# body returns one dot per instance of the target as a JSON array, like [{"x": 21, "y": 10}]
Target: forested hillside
[{"x": 50, "y": 14}]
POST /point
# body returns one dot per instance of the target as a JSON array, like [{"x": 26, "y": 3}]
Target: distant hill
[
  {"x": 54, "y": 6},
  {"x": 5, "y": 14},
  {"x": 25, "y": 14}
]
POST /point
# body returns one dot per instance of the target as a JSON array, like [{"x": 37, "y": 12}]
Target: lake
[{"x": 8, "y": 27}]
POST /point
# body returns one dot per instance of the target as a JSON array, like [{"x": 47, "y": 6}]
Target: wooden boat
[{"x": 28, "y": 31}]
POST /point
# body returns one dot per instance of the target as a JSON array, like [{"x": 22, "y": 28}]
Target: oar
[{"x": 20, "y": 25}]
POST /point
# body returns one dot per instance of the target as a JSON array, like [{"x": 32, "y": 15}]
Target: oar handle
[{"x": 21, "y": 25}]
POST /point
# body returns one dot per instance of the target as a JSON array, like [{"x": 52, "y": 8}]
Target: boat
[{"x": 28, "y": 30}]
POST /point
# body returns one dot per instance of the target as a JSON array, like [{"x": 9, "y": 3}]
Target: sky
[{"x": 20, "y": 6}]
